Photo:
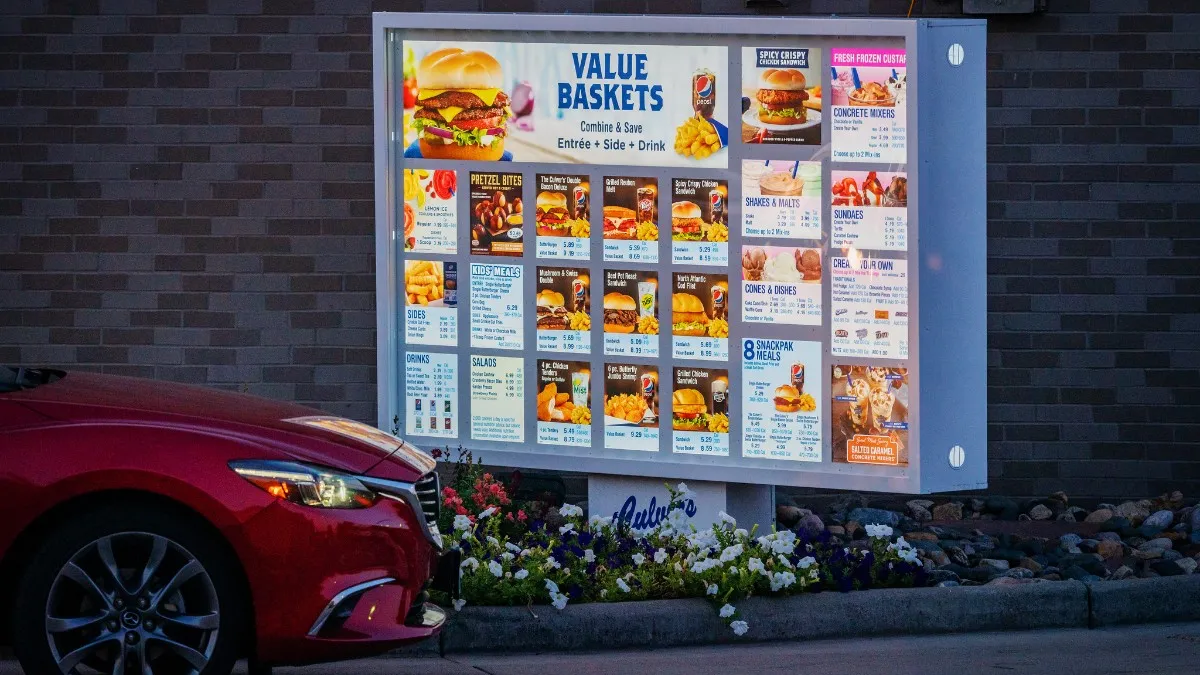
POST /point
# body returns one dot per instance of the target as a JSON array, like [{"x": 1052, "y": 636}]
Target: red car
[{"x": 159, "y": 528}]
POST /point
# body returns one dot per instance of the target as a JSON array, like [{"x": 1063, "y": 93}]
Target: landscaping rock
[
  {"x": 1171, "y": 555},
  {"x": 810, "y": 524},
  {"x": 994, "y": 564},
  {"x": 1041, "y": 512},
  {"x": 1070, "y": 540},
  {"x": 948, "y": 511},
  {"x": 1066, "y": 517},
  {"x": 1110, "y": 549},
  {"x": 1003, "y": 507},
  {"x": 787, "y": 515},
  {"x": 1161, "y": 543},
  {"x": 920, "y": 536},
  {"x": 1122, "y": 572},
  {"x": 958, "y": 556},
  {"x": 942, "y": 575},
  {"x": 1188, "y": 565},
  {"x": 1194, "y": 520},
  {"x": 919, "y": 510},
  {"x": 868, "y": 516},
  {"x": 1167, "y": 568},
  {"x": 977, "y": 574},
  {"x": 1098, "y": 516},
  {"x": 1019, "y": 573},
  {"x": 1159, "y": 519},
  {"x": 1134, "y": 511}
]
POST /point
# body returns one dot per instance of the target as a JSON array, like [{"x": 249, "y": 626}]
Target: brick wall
[{"x": 186, "y": 193}]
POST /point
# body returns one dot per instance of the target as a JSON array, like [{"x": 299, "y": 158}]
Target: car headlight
[{"x": 306, "y": 485}]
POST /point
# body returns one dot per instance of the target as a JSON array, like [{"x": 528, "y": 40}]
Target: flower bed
[{"x": 530, "y": 554}]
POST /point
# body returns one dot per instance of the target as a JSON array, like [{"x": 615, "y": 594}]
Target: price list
[
  {"x": 431, "y": 394},
  {"x": 496, "y": 297},
  {"x": 497, "y": 398}
]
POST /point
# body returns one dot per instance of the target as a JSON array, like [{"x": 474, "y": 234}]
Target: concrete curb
[
  {"x": 673, "y": 623},
  {"x": 1145, "y": 601}
]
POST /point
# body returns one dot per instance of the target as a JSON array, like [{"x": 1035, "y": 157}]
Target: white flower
[
  {"x": 570, "y": 511},
  {"x": 622, "y": 585},
  {"x": 553, "y": 564},
  {"x": 755, "y": 565},
  {"x": 469, "y": 563},
  {"x": 806, "y": 562},
  {"x": 741, "y": 533},
  {"x": 878, "y": 531},
  {"x": 909, "y": 555},
  {"x": 461, "y": 522},
  {"x": 731, "y": 553},
  {"x": 712, "y": 589},
  {"x": 704, "y": 564},
  {"x": 727, "y": 611},
  {"x": 466, "y": 535},
  {"x": 638, "y": 559},
  {"x": 589, "y": 555},
  {"x": 726, "y": 519},
  {"x": 524, "y": 552},
  {"x": 459, "y": 604},
  {"x": 598, "y": 522},
  {"x": 493, "y": 541},
  {"x": 488, "y": 512},
  {"x": 603, "y": 592},
  {"x": 558, "y": 600},
  {"x": 781, "y": 580},
  {"x": 521, "y": 574},
  {"x": 507, "y": 556},
  {"x": 551, "y": 586},
  {"x": 512, "y": 547},
  {"x": 784, "y": 561},
  {"x": 739, "y": 627},
  {"x": 678, "y": 566},
  {"x": 683, "y": 490},
  {"x": 660, "y": 556},
  {"x": 495, "y": 568},
  {"x": 566, "y": 528},
  {"x": 508, "y": 575}
]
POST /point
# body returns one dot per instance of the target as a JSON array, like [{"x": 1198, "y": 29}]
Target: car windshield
[{"x": 13, "y": 378}]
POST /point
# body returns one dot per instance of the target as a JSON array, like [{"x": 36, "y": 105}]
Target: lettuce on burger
[
  {"x": 689, "y": 411},
  {"x": 461, "y": 112}
]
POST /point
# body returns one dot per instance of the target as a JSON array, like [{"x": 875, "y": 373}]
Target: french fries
[
  {"x": 647, "y": 325},
  {"x": 423, "y": 282},
  {"x": 718, "y": 328},
  {"x": 697, "y": 138}
]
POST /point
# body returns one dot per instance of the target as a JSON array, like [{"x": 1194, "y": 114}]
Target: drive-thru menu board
[{"x": 709, "y": 238}]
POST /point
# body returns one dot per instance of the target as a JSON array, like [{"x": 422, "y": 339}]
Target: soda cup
[
  {"x": 579, "y": 293},
  {"x": 579, "y": 202},
  {"x": 450, "y": 284},
  {"x": 720, "y": 396},
  {"x": 720, "y": 297},
  {"x": 649, "y": 389},
  {"x": 798, "y": 377},
  {"x": 645, "y": 204},
  {"x": 716, "y": 206},
  {"x": 704, "y": 92}
]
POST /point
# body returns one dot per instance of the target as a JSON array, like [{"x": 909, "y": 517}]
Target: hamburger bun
[
  {"x": 787, "y": 398},
  {"x": 551, "y": 200},
  {"x": 454, "y": 68},
  {"x": 682, "y": 210},
  {"x": 549, "y": 298},
  {"x": 619, "y": 301},
  {"x": 469, "y": 153},
  {"x": 782, "y": 79}
]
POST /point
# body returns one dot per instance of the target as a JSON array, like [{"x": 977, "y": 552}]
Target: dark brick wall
[{"x": 186, "y": 193}]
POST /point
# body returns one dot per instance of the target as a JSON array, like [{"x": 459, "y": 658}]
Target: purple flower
[
  {"x": 585, "y": 538},
  {"x": 574, "y": 591}
]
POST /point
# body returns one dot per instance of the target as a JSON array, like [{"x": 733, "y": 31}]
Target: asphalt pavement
[{"x": 1159, "y": 648}]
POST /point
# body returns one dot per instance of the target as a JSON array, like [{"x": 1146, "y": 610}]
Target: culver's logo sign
[{"x": 641, "y": 519}]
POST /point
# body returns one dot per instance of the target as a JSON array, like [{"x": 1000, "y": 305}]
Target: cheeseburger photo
[
  {"x": 688, "y": 411},
  {"x": 687, "y": 222},
  {"x": 781, "y": 97},
  {"x": 620, "y": 313},
  {"x": 787, "y": 399},
  {"x": 619, "y": 223},
  {"x": 552, "y": 217},
  {"x": 461, "y": 111},
  {"x": 551, "y": 311},
  {"x": 687, "y": 315}
]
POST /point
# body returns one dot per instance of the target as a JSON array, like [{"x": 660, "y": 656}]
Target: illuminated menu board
[{"x": 654, "y": 250}]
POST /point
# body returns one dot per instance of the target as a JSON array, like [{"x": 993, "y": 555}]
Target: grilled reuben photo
[
  {"x": 551, "y": 311},
  {"x": 688, "y": 411},
  {"x": 619, "y": 223},
  {"x": 461, "y": 111},
  {"x": 620, "y": 313},
  {"x": 688, "y": 316},
  {"x": 781, "y": 97},
  {"x": 552, "y": 217}
]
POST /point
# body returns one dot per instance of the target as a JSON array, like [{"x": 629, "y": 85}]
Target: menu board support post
[{"x": 751, "y": 505}]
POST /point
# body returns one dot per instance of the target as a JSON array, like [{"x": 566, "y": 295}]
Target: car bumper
[{"x": 334, "y": 584}]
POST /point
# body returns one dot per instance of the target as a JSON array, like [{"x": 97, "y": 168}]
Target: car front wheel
[{"x": 129, "y": 590}]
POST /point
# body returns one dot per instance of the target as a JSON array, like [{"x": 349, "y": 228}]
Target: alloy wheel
[{"x": 132, "y": 603}]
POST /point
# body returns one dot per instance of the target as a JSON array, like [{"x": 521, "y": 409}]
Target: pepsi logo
[{"x": 704, "y": 85}]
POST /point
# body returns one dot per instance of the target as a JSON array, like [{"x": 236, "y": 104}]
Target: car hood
[{"x": 304, "y": 433}]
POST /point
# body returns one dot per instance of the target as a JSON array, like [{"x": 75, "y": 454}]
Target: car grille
[{"x": 429, "y": 494}]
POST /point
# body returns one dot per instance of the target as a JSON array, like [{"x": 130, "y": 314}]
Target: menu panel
[
  {"x": 870, "y": 118},
  {"x": 497, "y": 398}
]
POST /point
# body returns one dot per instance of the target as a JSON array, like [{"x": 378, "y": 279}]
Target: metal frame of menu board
[{"x": 946, "y": 250}]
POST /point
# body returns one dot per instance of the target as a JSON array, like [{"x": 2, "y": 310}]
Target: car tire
[{"x": 187, "y": 614}]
